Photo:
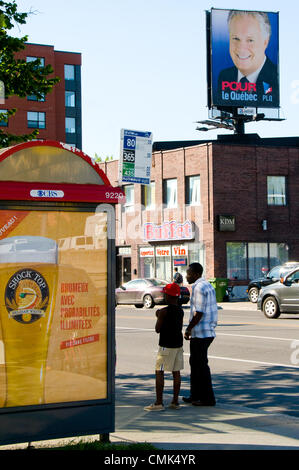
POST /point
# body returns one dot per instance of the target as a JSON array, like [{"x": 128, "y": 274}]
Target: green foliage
[{"x": 20, "y": 78}]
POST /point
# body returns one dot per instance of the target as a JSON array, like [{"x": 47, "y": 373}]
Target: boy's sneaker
[
  {"x": 174, "y": 406},
  {"x": 154, "y": 407}
]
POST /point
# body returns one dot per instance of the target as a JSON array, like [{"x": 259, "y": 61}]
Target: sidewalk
[{"x": 223, "y": 427}]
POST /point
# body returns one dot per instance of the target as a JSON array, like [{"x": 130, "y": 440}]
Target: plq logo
[{"x": 267, "y": 88}]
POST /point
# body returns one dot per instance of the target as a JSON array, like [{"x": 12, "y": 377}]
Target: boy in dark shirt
[{"x": 170, "y": 355}]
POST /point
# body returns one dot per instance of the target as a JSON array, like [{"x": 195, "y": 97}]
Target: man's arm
[{"x": 196, "y": 318}]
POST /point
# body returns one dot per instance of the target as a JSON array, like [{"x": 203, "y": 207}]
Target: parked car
[
  {"x": 273, "y": 275},
  {"x": 146, "y": 293},
  {"x": 280, "y": 297}
]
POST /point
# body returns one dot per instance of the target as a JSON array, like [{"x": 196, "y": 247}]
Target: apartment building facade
[{"x": 59, "y": 115}]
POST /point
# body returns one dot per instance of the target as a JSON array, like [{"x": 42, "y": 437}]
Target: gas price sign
[{"x": 135, "y": 156}]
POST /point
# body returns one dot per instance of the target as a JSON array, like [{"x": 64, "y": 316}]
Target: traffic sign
[{"x": 135, "y": 159}]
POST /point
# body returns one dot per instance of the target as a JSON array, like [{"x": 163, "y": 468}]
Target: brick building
[
  {"x": 58, "y": 116},
  {"x": 230, "y": 204}
]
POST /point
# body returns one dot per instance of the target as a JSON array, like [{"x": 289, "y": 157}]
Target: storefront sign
[
  {"x": 226, "y": 223},
  {"x": 147, "y": 252},
  {"x": 163, "y": 251},
  {"x": 179, "y": 250},
  {"x": 168, "y": 231}
]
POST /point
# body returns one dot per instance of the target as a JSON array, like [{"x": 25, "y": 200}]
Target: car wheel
[
  {"x": 138, "y": 305},
  {"x": 270, "y": 307},
  {"x": 253, "y": 295},
  {"x": 148, "y": 301}
]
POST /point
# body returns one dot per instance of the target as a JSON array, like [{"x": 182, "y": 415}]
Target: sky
[{"x": 144, "y": 65}]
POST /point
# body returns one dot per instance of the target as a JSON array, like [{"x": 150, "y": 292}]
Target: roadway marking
[
  {"x": 217, "y": 334},
  {"x": 250, "y": 361}
]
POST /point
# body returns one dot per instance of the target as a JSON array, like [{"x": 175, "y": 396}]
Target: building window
[
  {"x": 276, "y": 190},
  {"x": 170, "y": 192},
  {"x": 252, "y": 260},
  {"x": 129, "y": 194},
  {"x": 32, "y": 59},
  {"x": 69, "y": 72},
  {"x": 36, "y": 120},
  {"x": 70, "y": 125},
  {"x": 148, "y": 196},
  {"x": 70, "y": 99},
  {"x": 35, "y": 98},
  {"x": 2, "y": 122},
  {"x": 193, "y": 190}
]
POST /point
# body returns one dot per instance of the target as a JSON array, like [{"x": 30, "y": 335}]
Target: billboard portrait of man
[{"x": 244, "y": 58}]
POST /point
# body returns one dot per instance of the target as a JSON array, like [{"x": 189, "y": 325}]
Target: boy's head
[{"x": 172, "y": 292}]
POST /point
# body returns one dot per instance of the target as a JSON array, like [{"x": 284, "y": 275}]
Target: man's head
[
  {"x": 194, "y": 272},
  {"x": 249, "y": 34},
  {"x": 172, "y": 293}
]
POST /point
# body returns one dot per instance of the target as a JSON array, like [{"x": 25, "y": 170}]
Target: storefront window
[
  {"x": 252, "y": 260},
  {"x": 236, "y": 260},
  {"x": 163, "y": 263},
  {"x": 257, "y": 259},
  {"x": 146, "y": 262},
  {"x": 279, "y": 254}
]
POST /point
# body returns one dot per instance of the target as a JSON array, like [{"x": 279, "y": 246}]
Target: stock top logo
[{"x": 26, "y": 296}]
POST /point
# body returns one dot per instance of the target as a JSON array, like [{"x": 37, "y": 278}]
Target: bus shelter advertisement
[
  {"x": 53, "y": 310},
  {"x": 244, "y": 58}
]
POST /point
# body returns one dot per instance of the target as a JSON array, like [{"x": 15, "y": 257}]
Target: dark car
[
  {"x": 273, "y": 275},
  {"x": 280, "y": 297},
  {"x": 146, "y": 293}
]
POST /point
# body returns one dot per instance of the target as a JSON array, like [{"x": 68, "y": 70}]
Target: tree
[{"x": 19, "y": 78}]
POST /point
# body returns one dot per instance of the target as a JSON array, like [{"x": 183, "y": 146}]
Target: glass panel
[
  {"x": 70, "y": 99},
  {"x": 236, "y": 260},
  {"x": 32, "y": 59},
  {"x": 146, "y": 265},
  {"x": 69, "y": 72},
  {"x": 3, "y": 123},
  {"x": 36, "y": 120},
  {"x": 276, "y": 187},
  {"x": 163, "y": 264},
  {"x": 196, "y": 254},
  {"x": 129, "y": 193},
  {"x": 257, "y": 259},
  {"x": 47, "y": 164},
  {"x": 70, "y": 125},
  {"x": 279, "y": 254},
  {"x": 194, "y": 190},
  {"x": 170, "y": 192},
  {"x": 149, "y": 196},
  {"x": 53, "y": 317}
]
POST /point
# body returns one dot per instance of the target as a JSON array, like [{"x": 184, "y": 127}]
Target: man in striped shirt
[{"x": 201, "y": 333}]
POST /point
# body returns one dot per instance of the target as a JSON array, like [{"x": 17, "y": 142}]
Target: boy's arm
[{"x": 160, "y": 314}]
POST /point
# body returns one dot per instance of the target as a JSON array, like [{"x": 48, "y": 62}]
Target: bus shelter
[{"x": 57, "y": 270}]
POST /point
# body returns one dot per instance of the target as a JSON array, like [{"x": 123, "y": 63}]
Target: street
[{"x": 254, "y": 361}]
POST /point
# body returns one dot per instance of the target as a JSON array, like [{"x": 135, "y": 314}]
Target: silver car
[
  {"x": 146, "y": 293},
  {"x": 280, "y": 297}
]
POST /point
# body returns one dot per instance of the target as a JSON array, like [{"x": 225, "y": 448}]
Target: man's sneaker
[
  {"x": 154, "y": 407},
  {"x": 187, "y": 399}
]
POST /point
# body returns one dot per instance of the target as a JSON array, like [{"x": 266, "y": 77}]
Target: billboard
[
  {"x": 53, "y": 312},
  {"x": 243, "y": 59}
]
